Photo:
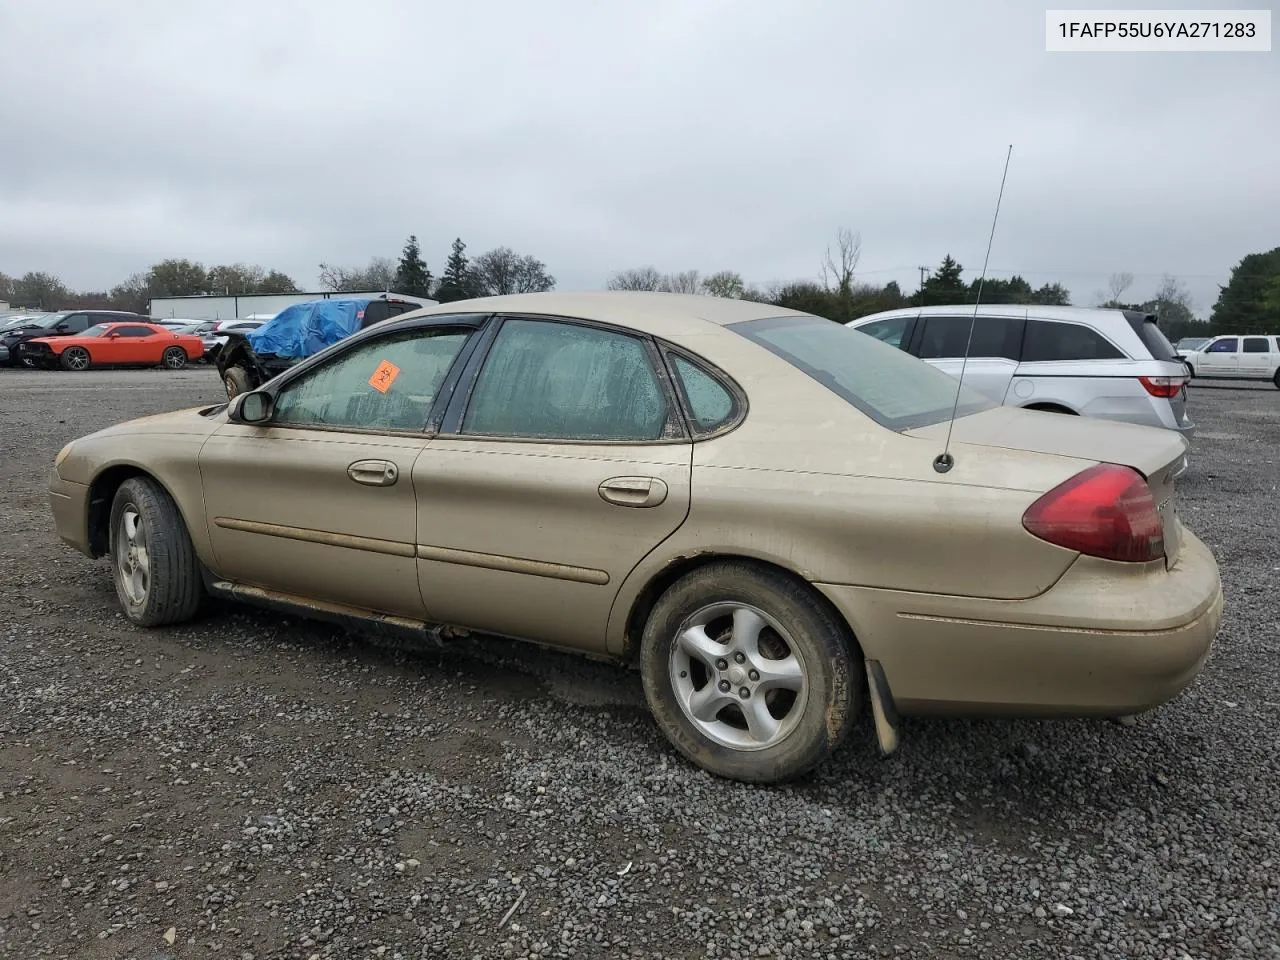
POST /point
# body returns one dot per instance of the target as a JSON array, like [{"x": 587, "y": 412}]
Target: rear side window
[
  {"x": 1152, "y": 336},
  {"x": 560, "y": 381},
  {"x": 895, "y": 331},
  {"x": 1229, "y": 345},
  {"x": 1049, "y": 340},
  {"x": 710, "y": 403},
  {"x": 1256, "y": 345},
  {"x": 946, "y": 337}
]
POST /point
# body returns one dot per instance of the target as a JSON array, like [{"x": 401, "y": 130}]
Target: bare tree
[
  {"x": 502, "y": 271},
  {"x": 837, "y": 269},
  {"x": 1117, "y": 284},
  {"x": 637, "y": 278},
  {"x": 686, "y": 281},
  {"x": 378, "y": 275}
]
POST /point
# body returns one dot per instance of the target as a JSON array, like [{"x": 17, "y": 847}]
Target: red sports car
[{"x": 116, "y": 344}]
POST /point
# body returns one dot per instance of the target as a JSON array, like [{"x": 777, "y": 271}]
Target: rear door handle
[
  {"x": 634, "y": 491},
  {"x": 374, "y": 473}
]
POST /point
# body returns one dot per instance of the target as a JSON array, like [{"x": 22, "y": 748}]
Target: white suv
[
  {"x": 1111, "y": 364},
  {"x": 1233, "y": 357}
]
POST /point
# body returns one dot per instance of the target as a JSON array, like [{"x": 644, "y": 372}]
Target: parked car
[
  {"x": 747, "y": 502},
  {"x": 55, "y": 325},
  {"x": 250, "y": 359},
  {"x": 114, "y": 345},
  {"x": 1109, "y": 364},
  {"x": 216, "y": 337},
  {"x": 1237, "y": 358}
]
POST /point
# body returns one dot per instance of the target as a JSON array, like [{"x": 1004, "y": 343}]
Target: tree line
[
  {"x": 1248, "y": 303},
  {"x": 494, "y": 272}
]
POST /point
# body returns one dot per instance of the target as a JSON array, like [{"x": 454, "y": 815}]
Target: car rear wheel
[
  {"x": 152, "y": 560},
  {"x": 748, "y": 673},
  {"x": 175, "y": 358},
  {"x": 74, "y": 358},
  {"x": 236, "y": 382},
  {"x": 1276, "y": 379}
]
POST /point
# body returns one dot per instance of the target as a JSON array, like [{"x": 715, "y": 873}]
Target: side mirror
[{"x": 254, "y": 407}]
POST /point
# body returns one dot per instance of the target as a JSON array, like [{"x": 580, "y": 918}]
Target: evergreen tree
[
  {"x": 457, "y": 282},
  {"x": 412, "y": 276},
  {"x": 945, "y": 286},
  {"x": 1250, "y": 302}
]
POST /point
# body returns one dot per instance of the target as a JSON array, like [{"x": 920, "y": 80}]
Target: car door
[
  {"x": 133, "y": 343},
  {"x": 560, "y": 466},
  {"x": 993, "y": 350},
  {"x": 1220, "y": 358},
  {"x": 319, "y": 501},
  {"x": 1254, "y": 359}
]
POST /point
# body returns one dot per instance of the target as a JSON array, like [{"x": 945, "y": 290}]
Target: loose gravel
[{"x": 249, "y": 786}]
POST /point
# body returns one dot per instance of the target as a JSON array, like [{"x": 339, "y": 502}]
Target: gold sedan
[{"x": 773, "y": 515}]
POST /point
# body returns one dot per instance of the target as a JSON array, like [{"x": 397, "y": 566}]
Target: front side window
[
  {"x": 95, "y": 331},
  {"x": 1229, "y": 345},
  {"x": 385, "y": 384},
  {"x": 710, "y": 403},
  {"x": 1049, "y": 340},
  {"x": 895, "y": 331},
  {"x": 949, "y": 337},
  {"x": 891, "y": 387},
  {"x": 543, "y": 379},
  {"x": 77, "y": 323},
  {"x": 134, "y": 331},
  {"x": 1256, "y": 345}
]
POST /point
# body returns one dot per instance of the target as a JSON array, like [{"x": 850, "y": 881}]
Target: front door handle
[
  {"x": 374, "y": 473},
  {"x": 634, "y": 491}
]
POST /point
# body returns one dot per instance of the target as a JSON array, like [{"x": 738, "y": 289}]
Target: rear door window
[
  {"x": 1256, "y": 345},
  {"x": 949, "y": 337},
  {"x": 1050, "y": 340}
]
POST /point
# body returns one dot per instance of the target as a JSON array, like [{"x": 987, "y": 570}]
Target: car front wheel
[
  {"x": 748, "y": 672},
  {"x": 75, "y": 358},
  {"x": 236, "y": 381},
  {"x": 153, "y": 562}
]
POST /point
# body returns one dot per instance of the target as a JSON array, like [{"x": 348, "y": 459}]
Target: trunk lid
[{"x": 1159, "y": 455}]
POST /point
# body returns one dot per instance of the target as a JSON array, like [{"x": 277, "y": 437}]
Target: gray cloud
[{"x": 716, "y": 135}]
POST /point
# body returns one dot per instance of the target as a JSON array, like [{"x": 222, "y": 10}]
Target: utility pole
[{"x": 923, "y": 271}]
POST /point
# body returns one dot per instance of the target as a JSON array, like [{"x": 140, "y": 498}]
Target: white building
[{"x": 203, "y": 307}]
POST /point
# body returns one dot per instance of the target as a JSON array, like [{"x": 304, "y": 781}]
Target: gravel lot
[{"x": 246, "y": 786}]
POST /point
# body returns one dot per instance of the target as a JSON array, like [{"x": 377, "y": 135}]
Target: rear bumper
[
  {"x": 70, "y": 504},
  {"x": 1108, "y": 639}
]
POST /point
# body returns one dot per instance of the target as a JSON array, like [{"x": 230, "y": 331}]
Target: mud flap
[{"x": 882, "y": 709}]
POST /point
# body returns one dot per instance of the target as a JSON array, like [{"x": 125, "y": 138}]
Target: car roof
[
  {"x": 1043, "y": 312},
  {"x": 654, "y": 313}
]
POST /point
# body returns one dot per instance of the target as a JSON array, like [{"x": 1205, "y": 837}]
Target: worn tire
[
  {"x": 1276, "y": 379},
  {"x": 174, "y": 586},
  {"x": 74, "y": 358},
  {"x": 816, "y": 632},
  {"x": 235, "y": 381},
  {"x": 174, "y": 358}
]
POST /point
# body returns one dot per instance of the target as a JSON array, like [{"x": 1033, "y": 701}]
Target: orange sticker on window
[{"x": 384, "y": 376}]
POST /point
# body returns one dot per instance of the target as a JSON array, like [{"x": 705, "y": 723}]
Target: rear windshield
[
  {"x": 1152, "y": 336},
  {"x": 893, "y": 388}
]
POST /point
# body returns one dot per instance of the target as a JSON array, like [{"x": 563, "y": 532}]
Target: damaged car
[{"x": 778, "y": 520}]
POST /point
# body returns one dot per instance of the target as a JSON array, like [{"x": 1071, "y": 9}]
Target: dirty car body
[{"x": 740, "y": 498}]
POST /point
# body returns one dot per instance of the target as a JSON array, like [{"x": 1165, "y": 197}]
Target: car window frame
[
  {"x": 473, "y": 323},
  {"x": 1034, "y": 318},
  {"x": 741, "y": 404},
  {"x": 455, "y": 414}
]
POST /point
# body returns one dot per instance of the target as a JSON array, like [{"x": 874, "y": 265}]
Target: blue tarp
[{"x": 303, "y": 329}]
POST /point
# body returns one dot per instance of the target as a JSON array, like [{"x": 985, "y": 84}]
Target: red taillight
[
  {"x": 1166, "y": 387},
  {"x": 1106, "y": 511}
]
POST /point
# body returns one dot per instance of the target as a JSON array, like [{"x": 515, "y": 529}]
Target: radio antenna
[{"x": 945, "y": 461}]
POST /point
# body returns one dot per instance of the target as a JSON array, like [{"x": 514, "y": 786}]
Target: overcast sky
[{"x": 708, "y": 134}]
